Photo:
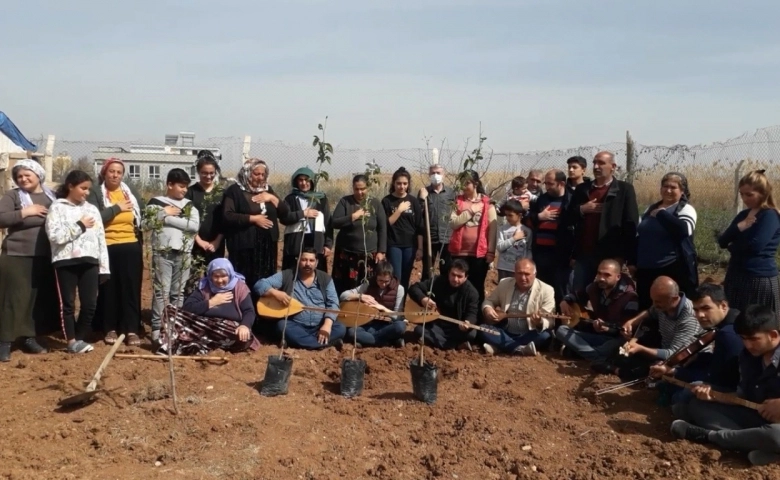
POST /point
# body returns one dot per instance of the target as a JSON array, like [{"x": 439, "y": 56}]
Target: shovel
[{"x": 89, "y": 394}]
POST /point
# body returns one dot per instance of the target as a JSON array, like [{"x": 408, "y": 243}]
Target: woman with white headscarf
[
  {"x": 27, "y": 289},
  {"x": 250, "y": 213},
  {"x": 119, "y": 298}
]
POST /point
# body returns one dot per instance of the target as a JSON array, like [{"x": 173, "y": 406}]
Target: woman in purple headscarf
[{"x": 218, "y": 315}]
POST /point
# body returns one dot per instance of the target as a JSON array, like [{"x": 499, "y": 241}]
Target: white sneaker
[
  {"x": 526, "y": 350},
  {"x": 488, "y": 349}
]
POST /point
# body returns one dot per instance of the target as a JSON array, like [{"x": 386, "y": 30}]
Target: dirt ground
[{"x": 495, "y": 418}]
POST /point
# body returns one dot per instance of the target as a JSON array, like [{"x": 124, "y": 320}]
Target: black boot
[
  {"x": 5, "y": 351},
  {"x": 30, "y": 345}
]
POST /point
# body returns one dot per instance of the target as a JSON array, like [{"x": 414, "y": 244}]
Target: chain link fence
[{"x": 713, "y": 170}]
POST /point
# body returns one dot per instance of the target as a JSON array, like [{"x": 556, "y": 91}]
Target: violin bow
[{"x": 645, "y": 379}]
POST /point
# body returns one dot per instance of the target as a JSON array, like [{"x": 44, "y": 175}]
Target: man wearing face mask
[{"x": 439, "y": 200}]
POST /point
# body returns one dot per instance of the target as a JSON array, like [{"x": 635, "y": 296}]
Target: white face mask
[{"x": 436, "y": 178}]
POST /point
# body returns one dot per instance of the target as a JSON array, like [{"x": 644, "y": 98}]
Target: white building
[{"x": 146, "y": 163}]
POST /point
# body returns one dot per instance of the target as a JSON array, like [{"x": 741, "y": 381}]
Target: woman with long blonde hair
[{"x": 752, "y": 239}]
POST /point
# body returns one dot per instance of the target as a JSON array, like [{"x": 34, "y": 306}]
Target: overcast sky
[{"x": 539, "y": 74}]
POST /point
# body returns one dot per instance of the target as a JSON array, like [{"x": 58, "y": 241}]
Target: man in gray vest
[{"x": 312, "y": 288}]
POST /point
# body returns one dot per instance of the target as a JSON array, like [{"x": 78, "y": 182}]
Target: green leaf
[
  {"x": 329, "y": 147},
  {"x": 316, "y": 141},
  {"x": 319, "y": 126}
]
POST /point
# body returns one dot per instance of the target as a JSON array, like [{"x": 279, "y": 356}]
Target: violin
[
  {"x": 680, "y": 357},
  {"x": 683, "y": 355}
]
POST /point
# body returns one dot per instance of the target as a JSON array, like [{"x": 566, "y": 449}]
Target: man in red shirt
[{"x": 604, "y": 213}]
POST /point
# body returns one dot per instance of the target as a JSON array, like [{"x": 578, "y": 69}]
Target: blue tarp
[{"x": 9, "y": 130}]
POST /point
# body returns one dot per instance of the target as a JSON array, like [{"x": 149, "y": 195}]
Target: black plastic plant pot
[
  {"x": 277, "y": 376},
  {"x": 352, "y": 374},
  {"x": 425, "y": 380}
]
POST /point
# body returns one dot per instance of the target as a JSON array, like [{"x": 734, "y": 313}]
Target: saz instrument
[
  {"x": 349, "y": 314},
  {"x": 717, "y": 396},
  {"x": 417, "y": 314},
  {"x": 579, "y": 314},
  {"x": 354, "y": 313}
]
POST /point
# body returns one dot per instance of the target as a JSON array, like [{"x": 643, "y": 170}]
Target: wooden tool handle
[
  {"x": 117, "y": 343},
  {"x": 177, "y": 357}
]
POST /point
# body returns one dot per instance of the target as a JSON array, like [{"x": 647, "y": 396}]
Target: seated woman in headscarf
[{"x": 218, "y": 315}]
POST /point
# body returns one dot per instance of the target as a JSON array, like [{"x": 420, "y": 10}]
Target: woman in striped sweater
[{"x": 665, "y": 241}]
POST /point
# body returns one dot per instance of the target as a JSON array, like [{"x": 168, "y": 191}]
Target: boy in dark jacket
[
  {"x": 715, "y": 365},
  {"x": 735, "y": 427}
]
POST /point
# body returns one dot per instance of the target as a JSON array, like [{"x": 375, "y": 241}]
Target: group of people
[{"x": 578, "y": 266}]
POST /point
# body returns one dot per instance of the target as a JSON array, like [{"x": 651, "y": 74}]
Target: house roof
[{"x": 8, "y": 129}]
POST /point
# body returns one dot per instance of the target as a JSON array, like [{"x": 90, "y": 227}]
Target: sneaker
[
  {"x": 30, "y": 345},
  {"x": 760, "y": 457},
  {"x": 80, "y": 346},
  {"x": 5, "y": 351},
  {"x": 526, "y": 350},
  {"x": 400, "y": 343},
  {"x": 488, "y": 349},
  {"x": 339, "y": 344},
  {"x": 686, "y": 431}
]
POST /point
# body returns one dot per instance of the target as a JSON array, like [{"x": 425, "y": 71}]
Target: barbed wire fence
[{"x": 713, "y": 170}]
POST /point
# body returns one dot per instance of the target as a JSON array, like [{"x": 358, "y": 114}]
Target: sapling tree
[
  {"x": 153, "y": 223},
  {"x": 324, "y": 152}
]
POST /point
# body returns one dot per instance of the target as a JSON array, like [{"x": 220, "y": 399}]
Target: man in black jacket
[
  {"x": 454, "y": 297},
  {"x": 605, "y": 215},
  {"x": 552, "y": 239}
]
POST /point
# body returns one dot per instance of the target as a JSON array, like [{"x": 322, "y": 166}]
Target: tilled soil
[{"x": 496, "y": 417}]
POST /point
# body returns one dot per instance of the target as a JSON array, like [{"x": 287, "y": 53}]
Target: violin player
[
  {"x": 613, "y": 300},
  {"x": 718, "y": 362},
  {"x": 663, "y": 329}
]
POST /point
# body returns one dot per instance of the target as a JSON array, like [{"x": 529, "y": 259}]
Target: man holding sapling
[
  {"x": 439, "y": 199},
  {"x": 313, "y": 288},
  {"x": 174, "y": 222},
  {"x": 452, "y": 296}
]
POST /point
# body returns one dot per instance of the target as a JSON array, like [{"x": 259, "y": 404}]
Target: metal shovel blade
[{"x": 78, "y": 399}]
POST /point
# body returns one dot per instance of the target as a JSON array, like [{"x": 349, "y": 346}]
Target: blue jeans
[
  {"x": 299, "y": 335},
  {"x": 507, "y": 342},
  {"x": 171, "y": 270},
  {"x": 584, "y": 272},
  {"x": 402, "y": 260},
  {"x": 595, "y": 347},
  {"x": 377, "y": 333}
]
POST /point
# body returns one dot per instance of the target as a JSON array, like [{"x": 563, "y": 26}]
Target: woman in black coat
[{"x": 250, "y": 213}]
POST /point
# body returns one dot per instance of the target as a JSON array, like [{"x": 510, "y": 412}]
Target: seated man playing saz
[
  {"x": 385, "y": 293},
  {"x": 522, "y": 294},
  {"x": 455, "y": 297},
  {"x": 613, "y": 301},
  {"x": 661, "y": 330},
  {"x": 718, "y": 363},
  {"x": 312, "y": 288},
  {"x": 728, "y": 420}
]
